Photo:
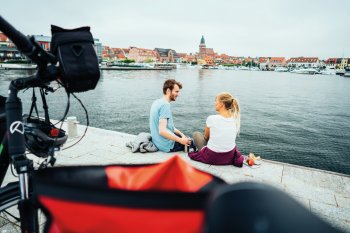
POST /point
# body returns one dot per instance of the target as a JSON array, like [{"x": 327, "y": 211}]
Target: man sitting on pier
[{"x": 164, "y": 134}]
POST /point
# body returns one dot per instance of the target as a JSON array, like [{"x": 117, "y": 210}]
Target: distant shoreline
[{"x": 133, "y": 68}]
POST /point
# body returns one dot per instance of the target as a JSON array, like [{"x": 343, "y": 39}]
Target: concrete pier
[{"x": 327, "y": 194}]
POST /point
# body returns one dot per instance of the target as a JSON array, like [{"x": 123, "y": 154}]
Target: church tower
[{"x": 202, "y": 47}]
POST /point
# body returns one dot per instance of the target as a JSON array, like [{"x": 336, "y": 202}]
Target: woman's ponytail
[{"x": 236, "y": 113}]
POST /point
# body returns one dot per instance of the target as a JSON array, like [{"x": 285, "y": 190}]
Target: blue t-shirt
[{"x": 161, "y": 110}]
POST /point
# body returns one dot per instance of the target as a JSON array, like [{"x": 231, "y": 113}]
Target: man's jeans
[{"x": 180, "y": 147}]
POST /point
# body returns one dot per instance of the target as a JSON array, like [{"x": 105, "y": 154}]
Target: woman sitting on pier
[{"x": 218, "y": 144}]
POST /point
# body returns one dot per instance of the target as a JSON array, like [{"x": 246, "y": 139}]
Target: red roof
[
  {"x": 277, "y": 60},
  {"x": 263, "y": 59},
  {"x": 304, "y": 59},
  {"x": 182, "y": 54},
  {"x": 3, "y": 37},
  {"x": 331, "y": 60},
  {"x": 117, "y": 50},
  {"x": 224, "y": 56}
]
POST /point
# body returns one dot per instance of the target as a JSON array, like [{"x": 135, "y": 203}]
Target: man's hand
[
  {"x": 164, "y": 132},
  {"x": 185, "y": 141}
]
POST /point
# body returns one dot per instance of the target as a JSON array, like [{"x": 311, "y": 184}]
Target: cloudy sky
[{"x": 287, "y": 28}]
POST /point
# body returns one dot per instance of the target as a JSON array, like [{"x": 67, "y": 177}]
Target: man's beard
[{"x": 172, "y": 97}]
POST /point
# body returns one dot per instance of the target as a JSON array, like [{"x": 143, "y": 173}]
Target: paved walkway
[{"x": 324, "y": 193}]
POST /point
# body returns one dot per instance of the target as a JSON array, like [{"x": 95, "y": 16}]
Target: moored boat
[
  {"x": 17, "y": 66},
  {"x": 328, "y": 71},
  {"x": 211, "y": 67},
  {"x": 305, "y": 71},
  {"x": 281, "y": 69},
  {"x": 253, "y": 68},
  {"x": 340, "y": 72},
  {"x": 165, "y": 66},
  {"x": 243, "y": 68},
  {"x": 347, "y": 72}
]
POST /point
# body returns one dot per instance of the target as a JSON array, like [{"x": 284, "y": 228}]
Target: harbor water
[{"x": 292, "y": 118}]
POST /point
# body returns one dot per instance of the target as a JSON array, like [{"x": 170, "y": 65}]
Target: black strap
[
  {"x": 45, "y": 107},
  {"x": 33, "y": 105}
]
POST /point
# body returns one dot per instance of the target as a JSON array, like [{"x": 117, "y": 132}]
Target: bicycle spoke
[{"x": 16, "y": 218}]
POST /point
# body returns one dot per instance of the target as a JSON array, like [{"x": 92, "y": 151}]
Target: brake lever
[{"x": 49, "y": 89}]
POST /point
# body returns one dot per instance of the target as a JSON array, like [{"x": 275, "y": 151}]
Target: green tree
[{"x": 127, "y": 61}]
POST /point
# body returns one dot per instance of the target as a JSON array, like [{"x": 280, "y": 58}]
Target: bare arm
[
  {"x": 164, "y": 132},
  {"x": 179, "y": 132},
  {"x": 206, "y": 133}
]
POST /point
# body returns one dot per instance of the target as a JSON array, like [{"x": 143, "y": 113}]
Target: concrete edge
[{"x": 270, "y": 161}]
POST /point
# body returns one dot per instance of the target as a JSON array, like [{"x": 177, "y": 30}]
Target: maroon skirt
[{"x": 205, "y": 155}]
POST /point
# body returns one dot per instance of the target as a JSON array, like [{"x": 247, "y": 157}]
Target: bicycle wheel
[
  {"x": 9, "y": 216},
  {"x": 9, "y": 195}
]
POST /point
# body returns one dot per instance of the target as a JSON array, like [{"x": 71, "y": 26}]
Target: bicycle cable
[
  {"x": 87, "y": 122},
  {"x": 12, "y": 171},
  {"x": 66, "y": 113}
]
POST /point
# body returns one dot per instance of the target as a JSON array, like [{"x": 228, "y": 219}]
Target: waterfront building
[
  {"x": 126, "y": 52},
  {"x": 263, "y": 63},
  {"x": 345, "y": 62},
  {"x": 120, "y": 57},
  {"x": 204, "y": 51},
  {"x": 276, "y": 62},
  {"x": 118, "y": 54},
  {"x": 98, "y": 48},
  {"x": 166, "y": 55},
  {"x": 237, "y": 61},
  {"x": 189, "y": 58},
  {"x": 114, "y": 54},
  {"x": 106, "y": 54},
  {"x": 331, "y": 62},
  {"x": 218, "y": 60},
  {"x": 323, "y": 64},
  {"x": 142, "y": 55},
  {"x": 3, "y": 37},
  {"x": 201, "y": 61},
  {"x": 209, "y": 60},
  {"x": 247, "y": 61},
  {"x": 313, "y": 62},
  {"x": 8, "y": 51},
  {"x": 181, "y": 58},
  {"x": 43, "y": 41},
  {"x": 338, "y": 63},
  {"x": 222, "y": 59}
]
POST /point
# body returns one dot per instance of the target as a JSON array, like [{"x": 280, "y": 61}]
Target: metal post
[{"x": 72, "y": 127}]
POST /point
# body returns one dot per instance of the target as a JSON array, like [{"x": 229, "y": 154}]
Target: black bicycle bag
[{"x": 79, "y": 68}]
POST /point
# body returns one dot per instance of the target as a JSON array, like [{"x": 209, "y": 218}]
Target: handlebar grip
[
  {"x": 20, "y": 40},
  {"x": 16, "y": 145}
]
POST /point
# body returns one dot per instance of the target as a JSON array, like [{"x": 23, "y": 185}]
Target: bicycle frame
[
  {"x": 13, "y": 147},
  {"x": 4, "y": 157}
]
